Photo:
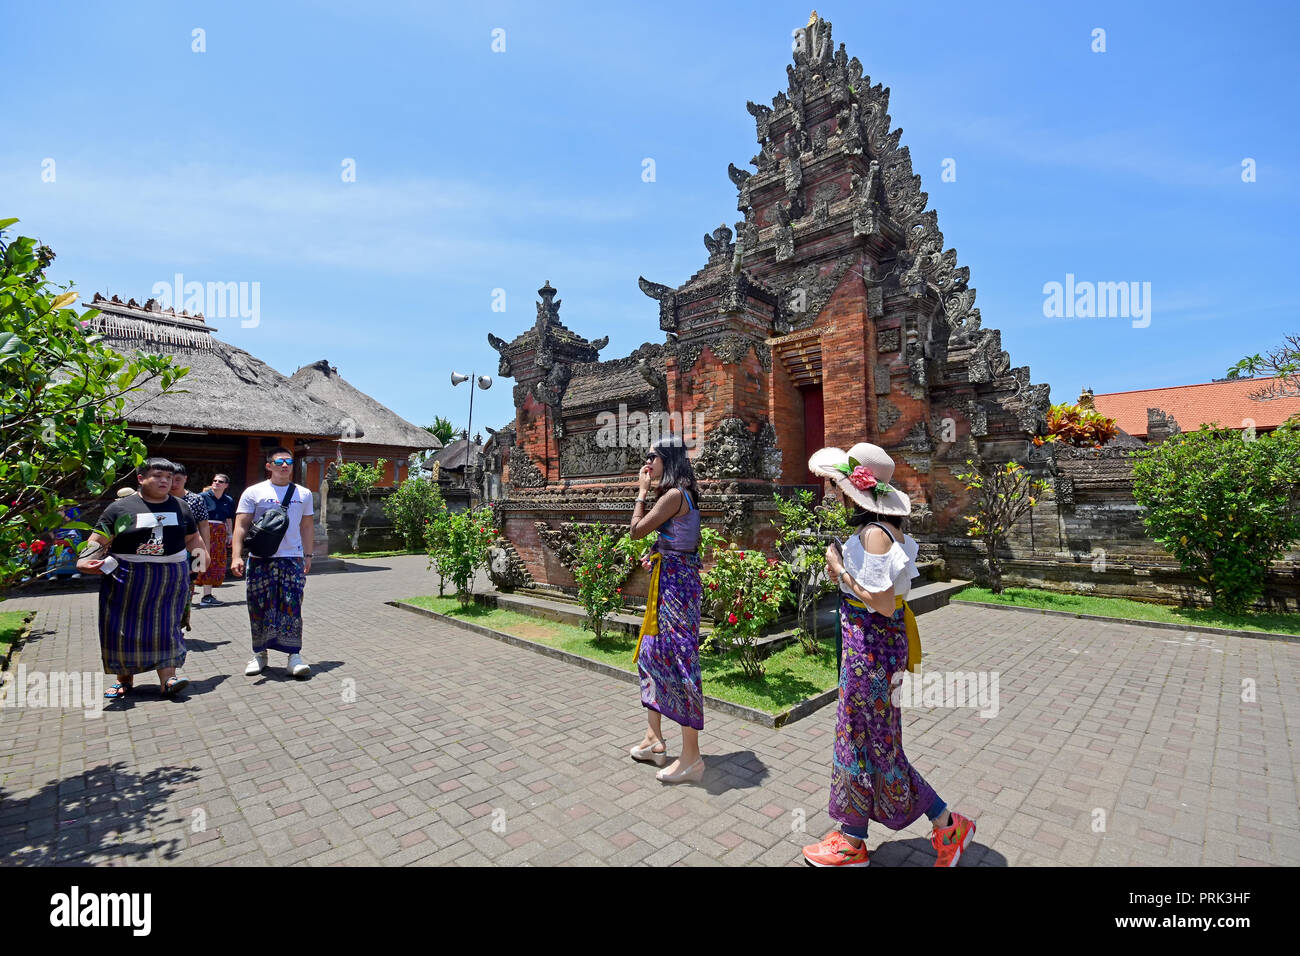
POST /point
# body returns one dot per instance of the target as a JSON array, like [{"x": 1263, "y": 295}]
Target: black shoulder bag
[{"x": 263, "y": 539}]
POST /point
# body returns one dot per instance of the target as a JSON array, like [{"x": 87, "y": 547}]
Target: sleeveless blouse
[
  {"x": 682, "y": 532},
  {"x": 878, "y": 572}
]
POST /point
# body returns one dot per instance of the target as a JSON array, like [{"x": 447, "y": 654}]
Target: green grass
[
  {"x": 371, "y": 554},
  {"x": 1124, "y": 609},
  {"x": 791, "y": 677},
  {"x": 11, "y": 625}
]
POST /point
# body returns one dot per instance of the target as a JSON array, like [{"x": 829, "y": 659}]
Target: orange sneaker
[
  {"x": 836, "y": 850},
  {"x": 950, "y": 841}
]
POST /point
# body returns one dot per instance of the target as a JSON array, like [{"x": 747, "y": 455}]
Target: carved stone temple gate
[{"x": 831, "y": 315}]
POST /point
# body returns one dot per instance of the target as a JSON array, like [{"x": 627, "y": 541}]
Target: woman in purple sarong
[
  {"x": 668, "y": 654},
  {"x": 871, "y": 778}
]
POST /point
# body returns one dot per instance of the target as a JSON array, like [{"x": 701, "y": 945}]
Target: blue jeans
[{"x": 937, "y": 809}]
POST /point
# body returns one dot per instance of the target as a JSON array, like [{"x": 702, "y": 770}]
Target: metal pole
[{"x": 473, "y": 378}]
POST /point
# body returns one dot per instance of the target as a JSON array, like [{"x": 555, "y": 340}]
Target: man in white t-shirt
[{"x": 276, "y": 584}]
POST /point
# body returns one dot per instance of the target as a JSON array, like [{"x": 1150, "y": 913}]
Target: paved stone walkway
[{"x": 416, "y": 742}]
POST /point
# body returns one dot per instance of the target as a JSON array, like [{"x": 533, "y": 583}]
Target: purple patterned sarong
[
  {"x": 870, "y": 776},
  {"x": 274, "y": 594},
  {"x": 669, "y": 662}
]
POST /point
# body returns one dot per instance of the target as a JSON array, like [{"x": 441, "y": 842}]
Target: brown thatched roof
[
  {"x": 453, "y": 455},
  {"x": 380, "y": 424},
  {"x": 225, "y": 389},
  {"x": 615, "y": 380}
]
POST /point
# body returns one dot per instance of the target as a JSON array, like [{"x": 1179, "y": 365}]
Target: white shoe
[
  {"x": 256, "y": 665},
  {"x": 298, "y": 667},
  {"x": 650, "y": 755}
]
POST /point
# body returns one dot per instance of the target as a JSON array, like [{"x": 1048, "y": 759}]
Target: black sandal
[
  {"x": 175, "y": 685},
  {"x": 118, "y": 691}
]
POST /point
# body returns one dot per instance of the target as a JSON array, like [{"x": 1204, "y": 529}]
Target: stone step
[{"x": 565, "y": 610}]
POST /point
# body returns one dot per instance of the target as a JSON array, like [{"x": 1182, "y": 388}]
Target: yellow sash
[
  {"x": 909, "y": 622},
  {"x": 650, "y": 623}
]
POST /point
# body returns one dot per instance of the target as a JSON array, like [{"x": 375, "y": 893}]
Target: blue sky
[{"x": 478, "y": 170}]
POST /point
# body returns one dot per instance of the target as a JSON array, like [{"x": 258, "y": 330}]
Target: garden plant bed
[
  {"x": 1207, "y": 620},
  {"x": 796, "y": 685},
  {"x": 13, "y": 625}
]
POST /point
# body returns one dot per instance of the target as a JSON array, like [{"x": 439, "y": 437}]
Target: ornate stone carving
[
  {"x": 563, "y": 541},
  {"x": 920, "y": 464},
  {"x": 979, "y": 417},
  {"x": 882, "y": 379},
  {"x": 667, "y": 299},
  {"x": 523, "y": 473},
  {"x": 918, "y": 439},
  {"x": 731, "y": 450},
  {"x": 506, "y": 569},
  {"x": 719, "y": 244},
  {"x": 887, "y": 340},
  {"x": 587, "y": 455},
  {"x": 1064, "y": 490},
  {"x": 887, "y": 415},
  {"x": 823, "y": 196},
  {"x": 810, "y": 287},
  {"x": 784, "y": 233}
]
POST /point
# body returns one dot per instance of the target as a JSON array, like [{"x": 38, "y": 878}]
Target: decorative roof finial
[{"x": 813, "y": 18}]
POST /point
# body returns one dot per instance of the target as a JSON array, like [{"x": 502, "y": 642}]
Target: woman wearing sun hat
[{"x": 871, "y": 778}]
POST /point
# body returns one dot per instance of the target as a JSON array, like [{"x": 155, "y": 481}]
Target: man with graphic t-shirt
[
  {"x": 276, "y": 584},
  {"x": 140, "y": 545}
]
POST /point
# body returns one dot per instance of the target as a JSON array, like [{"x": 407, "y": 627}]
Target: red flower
[
  {"x": 598, "y": 565},
  {"x": 22, "y": 545},
  {"x": 731, "y": 619},
  {"x": 741, "y": 555},
  {"x": 618, "y": 590},
  {"x": 38, "y": 546},
  {"x": 764, "y": 597},
  {"x": 863, "y": 478}
]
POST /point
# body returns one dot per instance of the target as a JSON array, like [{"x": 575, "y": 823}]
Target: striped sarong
[
  {"x": 871, "y": 778},
  {"x": 274, "y": 594},
  {"x": 219, "y": 556},
  {"x": 669, "y": 660},
  {"x": 140, "y": 608}
]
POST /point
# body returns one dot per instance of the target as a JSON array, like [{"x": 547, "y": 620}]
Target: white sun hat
[{"x": 863, "y": 473}]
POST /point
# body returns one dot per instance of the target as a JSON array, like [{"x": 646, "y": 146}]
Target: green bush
[
  {"x": 458, "y": 544},
  {"x": 804, "y": 531},
  {"x": 411, "y": 508},
  {"x": 744, "y": 591},
  {"x": 1225, "y": 504},
  {"x": 63, "y": 397},
  {"x": 600, "y": 569}
]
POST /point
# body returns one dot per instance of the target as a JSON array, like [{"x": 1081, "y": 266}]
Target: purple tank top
[{"x": 681, "y": 533}]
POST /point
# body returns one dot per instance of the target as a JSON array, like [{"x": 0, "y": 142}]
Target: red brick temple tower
[{"x": 831, "y": 315}]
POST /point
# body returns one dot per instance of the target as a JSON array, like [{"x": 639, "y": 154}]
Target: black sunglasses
[{"x": 651, "y": 457}]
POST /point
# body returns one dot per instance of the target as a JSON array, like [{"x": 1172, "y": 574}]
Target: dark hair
[
  {"x": 678, "y": 472},
  {"x": 179, "y": 469},
  {"x": 861, "y": 516},
  {"x": 277, "y": 451},
  {"x": 155, "y": 464}
]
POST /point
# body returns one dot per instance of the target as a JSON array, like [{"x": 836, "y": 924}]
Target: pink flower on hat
[{"x": 862, "y": 478}]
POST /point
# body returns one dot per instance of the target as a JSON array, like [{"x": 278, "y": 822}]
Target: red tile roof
[{"x": 1228, "y": 403}]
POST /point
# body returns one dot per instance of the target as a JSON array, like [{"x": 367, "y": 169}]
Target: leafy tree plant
[
  {"x": 804, "y": 531},
  {"x": 744, "y": 591},
  {"x": 412, "y": 507},
  {"x": 441, "y": 429},
  {"x": 600, "y": 568},
  {"x": 1223, "y": 506},
  {"x": 462, "y": 548},
  {"x": 63, "y": 399},
  {"x": 1282, "y": 364},
  {"x": 436, "y": 537},
  {"x": 1003, "y": 493},
  {"x": 1076, "y": 426},
  {"x": 355, "y": 479}
]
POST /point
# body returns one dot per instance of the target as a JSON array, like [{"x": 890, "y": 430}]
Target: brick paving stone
[{"x": 455, "y": 730}]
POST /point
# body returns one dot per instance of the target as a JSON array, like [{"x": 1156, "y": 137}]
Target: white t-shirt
[
  {"x": 878, "y": 572},
  {"x": 262, "y": 497}
]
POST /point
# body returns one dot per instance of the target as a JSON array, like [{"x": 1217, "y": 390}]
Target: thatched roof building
[
  {"x": 226, "y": 390},
  {"x": 375, "y": 424}
]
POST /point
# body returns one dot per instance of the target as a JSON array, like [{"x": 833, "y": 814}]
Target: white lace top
[{"x": 878, "y": 572}]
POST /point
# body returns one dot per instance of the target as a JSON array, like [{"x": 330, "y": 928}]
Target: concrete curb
[
  {"x": 797, "y": 712},
  {"x": 1163, "y": 625}
]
